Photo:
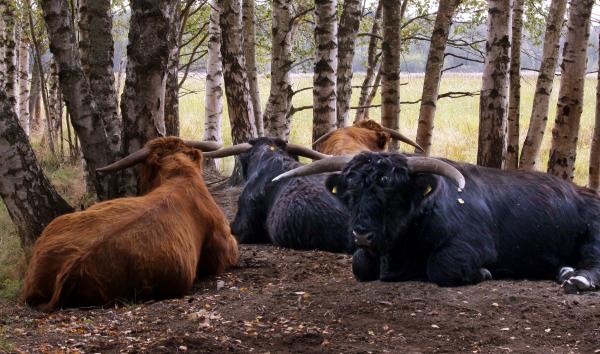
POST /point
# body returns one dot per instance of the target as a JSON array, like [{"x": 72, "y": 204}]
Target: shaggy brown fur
[
  {"x": 363, "y": 136},
  {"x": 139, "y": 248}
]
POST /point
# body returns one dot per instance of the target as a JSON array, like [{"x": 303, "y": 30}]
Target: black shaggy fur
[
  {"x": 297, "y": 213},
  {"x": 515, "y": 224}
]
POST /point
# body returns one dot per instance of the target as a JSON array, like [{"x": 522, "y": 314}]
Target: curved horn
[
  {"x": 228, "y": 151},
  {"x": 435, "y": 166},
  {"x": 323, "y": 137},
  {"x": 304, "y": 151},
  {"x": 127, "y": 161},
  {"x": 330, "y": 164},
  {"x": 203, "y": 145},
  {"x": 403, "y": 138}
]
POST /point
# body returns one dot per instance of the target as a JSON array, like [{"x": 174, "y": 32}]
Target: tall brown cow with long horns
[
  {"x": 140, "y": 248},
  {"x": 362, "y": 136}
]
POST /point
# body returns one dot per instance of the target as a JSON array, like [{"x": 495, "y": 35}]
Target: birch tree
[
  {"x": 239, "y": 101},
  {"x": 530, "y": 153},
  {"x": 29, "y": 197},
  {"x": 24, "y": 118},
  {"x": 96, "y": 50},
  {"x": 10, "y": 69},
  {"x": 433, "y": 72},
  {"x": 77, "y": 95},
  {"x": 143, "y": 98},
  {"x": 35, "y": 107},
  {"x": 54, "y": 104},
  {"x": 172, "y": 83},
  {"x": 390, "y": 66},
  {"x": 594, "y": 168},
  {"x": 493, "y": 103},
  {"x": 348, "y": 30},
  {"x": 279, "y": 104},
  {"x": 2, "y": 44},
  {"x": 369, "y": 84},
  {"x": 213, "y": 102},
  {"x": 249, "y": 29},
  {"x": 324, "y": 79},
  {"x": 514, "y": 101},
  {"x": 565, "y": 133}
]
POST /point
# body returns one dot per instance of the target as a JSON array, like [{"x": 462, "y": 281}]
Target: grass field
[
  {"x": 455, "y": 137},
  {"x": 456, "y": 122}
]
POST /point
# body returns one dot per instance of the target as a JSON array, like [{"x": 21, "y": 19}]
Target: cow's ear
[
  {"x": 425, "y": 186},
  {"x": 280, "y": 143},
  {"x": 382, "y": 139},
  {"x": 332, "y": 183},
  {"x": 195, "y": 155}
]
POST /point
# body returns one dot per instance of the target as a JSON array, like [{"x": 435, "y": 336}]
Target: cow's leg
[
  {"x": 586, "y": 276},
  {"x": 401, "y": 267},
  {"x": 456, "y": 265},
  {"x": 365, "y": 265}
]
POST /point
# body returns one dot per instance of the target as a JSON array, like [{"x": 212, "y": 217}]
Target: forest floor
[
  {"x": 303, "y": 302},
  {"x": 282, "y": 301}
]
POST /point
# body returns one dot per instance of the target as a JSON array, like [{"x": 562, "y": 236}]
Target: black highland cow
[
  {"x": 415, "y": 224},
  {"x": 297, "y": 213}
]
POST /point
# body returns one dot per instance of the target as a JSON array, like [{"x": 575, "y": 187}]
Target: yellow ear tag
[
  {"x": 334, "y": 190},
  {"x": 273, "y": 148},
  {"x": 427, "y": 190}
]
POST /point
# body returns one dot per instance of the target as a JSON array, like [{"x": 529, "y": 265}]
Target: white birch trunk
[
  {"x": 514, "y": 102},
  {"x": 24, "y": 117},
  {"x": 594, "y": 167},
  {"x": 493, "y": 103},
  {"x": 565, "y": 133},
  {"x": 10, "y": 69},
  {"x": 277, "y": 111},
  {"x": 31, "y": 200},
  {"x": 213, "y": 100},
  {"x": 348, "y": 30},
  {"x": 390, "y": 66},
  {"x": 433, "y": 72},
  {"x": 249, "y": 20},
  {"x": 143, "y": 99},
  {"x": 530, "y": 154},
  {"x": 324, "y": 80},
  {"x": 372, "y": 60}
]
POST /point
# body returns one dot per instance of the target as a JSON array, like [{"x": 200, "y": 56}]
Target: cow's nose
[{"x": 363, "y": 239}]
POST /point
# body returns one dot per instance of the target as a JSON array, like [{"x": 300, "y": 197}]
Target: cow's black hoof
[
  {"x": 577, "y": 284},
  {"x": 365, "y": 266},
  {"x": 565, "y": 273},
  {"x": 485, "y": 274}
]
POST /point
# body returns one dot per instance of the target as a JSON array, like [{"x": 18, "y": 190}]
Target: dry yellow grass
[{"x": 456, "y": 122}]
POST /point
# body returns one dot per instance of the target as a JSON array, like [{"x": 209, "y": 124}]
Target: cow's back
[
  {"x": 529, "y": 223},
  {"x": 125, "y": 249},
  {"x": 306, "y": 216}
]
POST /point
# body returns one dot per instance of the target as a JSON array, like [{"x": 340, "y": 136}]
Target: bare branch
[
  {"x": 451, "y": 68},
  {"x": 295, "y": 110},
  {"x": 302, "y": 89},
  {"x": 364, "y": 34},
  {"x": 463, "y": 58}
]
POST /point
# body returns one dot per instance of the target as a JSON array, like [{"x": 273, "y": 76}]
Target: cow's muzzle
[{"x": 363, "y": 239}]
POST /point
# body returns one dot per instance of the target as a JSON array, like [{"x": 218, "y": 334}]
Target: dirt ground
[{"x": 283, "y": 301}]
